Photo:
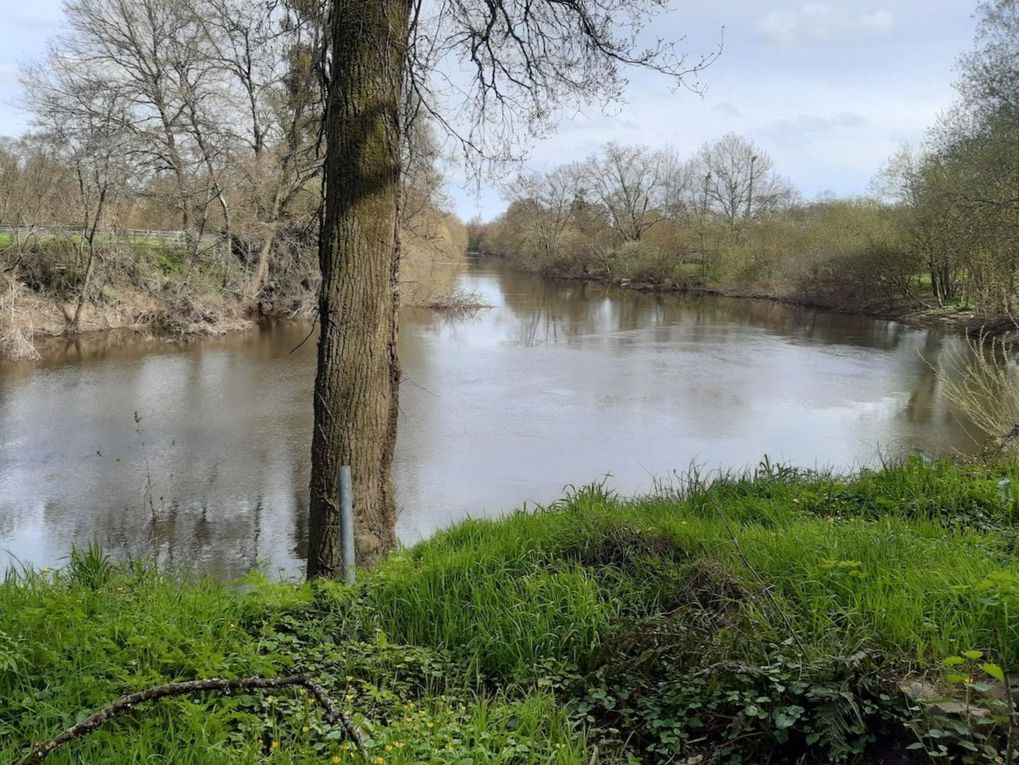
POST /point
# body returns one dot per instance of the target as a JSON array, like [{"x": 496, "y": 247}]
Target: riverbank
[
  {"x": 159, "y": 289},
  {"x": 948, "y": 318},
  {"x": 783, "y": 616}
]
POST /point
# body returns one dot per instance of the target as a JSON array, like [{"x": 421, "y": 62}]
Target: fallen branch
[
  {"x": 457, "y": 302},
  {"x": 333, "y": 714}
]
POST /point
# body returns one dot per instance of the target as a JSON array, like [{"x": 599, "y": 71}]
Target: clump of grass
[
  {"x": 15, "y": 334},
  {"x": 90, "y": 567},
  {"x": 983, "y": 383},
  {"x": 762, "y": 617}
]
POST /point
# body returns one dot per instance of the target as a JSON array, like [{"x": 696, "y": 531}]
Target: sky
[{"x": 828, "y": 89}]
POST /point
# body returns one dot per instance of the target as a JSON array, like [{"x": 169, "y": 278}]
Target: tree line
[
  {"x": 198, "y": 115},
  {"x": 201, "y": 116},
  {"x": 959, "y": 191},
  {"x": 939, "y": 232},
  {"x": 723, "y": 219}
]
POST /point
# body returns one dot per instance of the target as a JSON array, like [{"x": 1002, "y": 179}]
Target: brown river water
[{"x": 558, "y": 383}]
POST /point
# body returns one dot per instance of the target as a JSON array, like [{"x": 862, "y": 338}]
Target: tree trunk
[
  {"x": 358, "y": 377},
  {"x": 262, "y": 266},
  {"x": 76, "y": 321}
]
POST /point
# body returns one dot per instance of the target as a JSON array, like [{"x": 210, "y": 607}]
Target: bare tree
[
  {"x": 10, "y": 176},
  {"x": 224, "y": 101},
  {"x": 83, "y": 119},
  {"x": 37, "y": 187},
  {"x": 422, "y": 178},
  {"x": 631, "y": 182},
  {"x": 526, "y": 59},
  {"x": 267, "y": 59},
  {"x": 681, "y": 196},
  {"x": 740, "y": 182},
  {"x": 151, "y": 52}
]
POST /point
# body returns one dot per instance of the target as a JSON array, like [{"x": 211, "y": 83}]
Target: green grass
[{"x": 632, "y": 625}]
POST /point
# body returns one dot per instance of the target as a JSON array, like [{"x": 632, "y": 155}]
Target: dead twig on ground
[{"x": 333, "y": 714}]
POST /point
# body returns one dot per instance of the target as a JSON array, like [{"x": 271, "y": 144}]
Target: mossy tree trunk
[{"x": 357, "y": 383}]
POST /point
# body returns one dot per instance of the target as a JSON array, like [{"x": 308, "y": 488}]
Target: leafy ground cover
[{"x": 780, "y": 616}]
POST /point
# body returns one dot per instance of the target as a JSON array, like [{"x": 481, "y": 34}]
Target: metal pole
[{"x": 345, "y": 483}]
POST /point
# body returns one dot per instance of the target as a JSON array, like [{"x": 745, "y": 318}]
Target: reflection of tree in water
[
  {"x": 926, "y": 394},
  {"x": 551, "y": 310},
  {"x": 299, "y": 550},
  {"x": 226, "y": 446},
  {"x": 918, "y": 366},
  {"x": 542, "y": 324},
  {"x": 824, "y": 327}
]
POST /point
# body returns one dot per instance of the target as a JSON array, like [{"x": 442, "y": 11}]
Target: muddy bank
[{"x": 29, "y": 320}]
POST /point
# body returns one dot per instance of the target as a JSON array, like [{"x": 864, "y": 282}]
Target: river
[{"x": 197, "y": 455}]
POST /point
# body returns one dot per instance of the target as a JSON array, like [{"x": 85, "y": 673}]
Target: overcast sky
[{"x": 829, "y": 89}]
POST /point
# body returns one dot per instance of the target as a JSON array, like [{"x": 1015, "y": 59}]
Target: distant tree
[
  {"x": 631, "y": 182},
  {"x": 739, "y": 180},
  {"x": 546, "y": 199}
]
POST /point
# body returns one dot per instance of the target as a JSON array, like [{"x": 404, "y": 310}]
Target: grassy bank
[{"x": 767, "y": 618}]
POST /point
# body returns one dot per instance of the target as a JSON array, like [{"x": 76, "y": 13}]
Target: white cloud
[
  {"x": 817, "y": 22},
  {"x": 798, "y": 127},
  {"x": 727, "y": 109},
  {"x": 879, "y": 22}
]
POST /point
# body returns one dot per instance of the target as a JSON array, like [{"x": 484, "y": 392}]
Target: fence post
[{"x": 345, "y": 485}]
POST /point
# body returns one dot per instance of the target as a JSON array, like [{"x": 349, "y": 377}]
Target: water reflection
[{"x": 559, "y": 382}]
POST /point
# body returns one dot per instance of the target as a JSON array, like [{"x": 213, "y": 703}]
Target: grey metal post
[{"x": 345, "y": 483}]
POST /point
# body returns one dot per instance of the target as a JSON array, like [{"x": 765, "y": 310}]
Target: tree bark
[
  {"x": 357, "y": 383},
  {"x": 258, "y": 279}
]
